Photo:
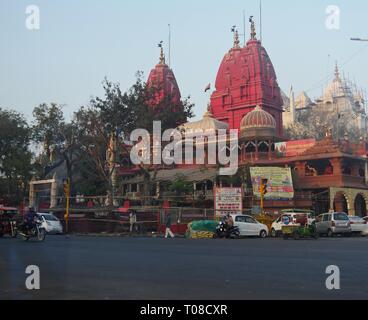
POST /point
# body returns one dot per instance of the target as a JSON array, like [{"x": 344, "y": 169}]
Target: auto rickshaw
[
  {"x": 8, "y": 223},
  {"x": 300, "y": 229}
]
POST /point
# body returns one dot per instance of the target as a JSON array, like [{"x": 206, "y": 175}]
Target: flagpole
[
  {"x": 260, "y": 18},
  {"x": 244, "y": 27},
  {"x": 169, "y": 45}
]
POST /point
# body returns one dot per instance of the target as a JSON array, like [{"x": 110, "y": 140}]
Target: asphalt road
[{"x": 159, "y": 269}]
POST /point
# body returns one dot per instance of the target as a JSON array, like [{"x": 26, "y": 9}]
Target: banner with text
[
  {"x": 279, "y": 182},
  {"x": 228, "y": 201}
]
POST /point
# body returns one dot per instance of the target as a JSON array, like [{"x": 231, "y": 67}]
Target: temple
[
  {"x": 326, "y": 175},
  {"x": 321, "y": 174},
  {"x": 246, "y": 79},
  {"x": 162, "y": 80},
  {"x": 341, "y": 98}
]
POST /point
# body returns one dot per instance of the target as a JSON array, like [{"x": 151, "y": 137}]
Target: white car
[
  {"x": 358, "y": 225},
  {"x": 250, "y": 227},
  {"x": 276, "y": 229},
  {"x": 51, "y": 224}
]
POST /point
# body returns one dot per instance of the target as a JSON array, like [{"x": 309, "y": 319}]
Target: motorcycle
[
  {"x": 37, "y": 230},
  {"x": 225, "y": 231}
]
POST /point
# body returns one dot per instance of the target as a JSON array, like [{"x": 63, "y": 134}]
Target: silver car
[{"x": 331, "y": 224}]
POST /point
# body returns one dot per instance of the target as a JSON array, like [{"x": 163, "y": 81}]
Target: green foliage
[
  {"x": 48, "y": 123},
  {"x": 15, "y": 157},
  {"x": 180, "y": 186},
  {"x": 80, "y": 148}
]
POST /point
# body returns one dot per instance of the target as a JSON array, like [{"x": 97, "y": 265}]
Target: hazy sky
[{"x": 82, "y": 41}]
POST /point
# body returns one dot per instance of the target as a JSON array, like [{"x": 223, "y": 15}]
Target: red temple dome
[
  {"x": 246, "y": 78},
  {"x": 163, "y": 80}
]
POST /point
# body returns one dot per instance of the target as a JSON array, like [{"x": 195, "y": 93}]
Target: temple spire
[
  {"x": 236, "y": 37},
  {"x": 253, "y": 33},
  {"x": 337, "y": 71},
  {"x": 292, "y": 105}
]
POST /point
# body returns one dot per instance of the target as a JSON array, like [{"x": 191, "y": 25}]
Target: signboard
[
  {"x": 293, "y": 148},
  {"x": 228, "y": 201},
  {"x": 279, "y": 182}
]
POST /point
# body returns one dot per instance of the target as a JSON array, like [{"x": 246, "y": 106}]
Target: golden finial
[
  {"x": 252, "y": 28},
  {"x": 162, "y": 55},
  {"x": 236, "y": 37}
]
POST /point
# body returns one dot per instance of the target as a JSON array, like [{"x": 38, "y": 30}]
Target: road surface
[{"x": 159, "y": 269}]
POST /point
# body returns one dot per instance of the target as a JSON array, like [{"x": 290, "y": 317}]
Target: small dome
[
  {"x": 258, "y": 123},
  {"x": 207, "y": 123}
]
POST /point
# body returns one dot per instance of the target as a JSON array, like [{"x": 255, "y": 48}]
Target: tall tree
[
  {"x": 47, "y": 127},
  {"x": 108, "y": 122},
  {"x": 15, "y": 156},
  {"x": 61, "y": 141}
]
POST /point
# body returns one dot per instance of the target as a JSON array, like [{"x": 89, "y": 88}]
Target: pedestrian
[
  {"x": 132, "y": 220},
  {"x": 168, "y": 227}
]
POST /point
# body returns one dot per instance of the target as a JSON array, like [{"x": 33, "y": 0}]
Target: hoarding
[
  {"x": 293, "y": 148},
  {"x": 279, "y": 182},
  {"x": 228, "y": 201}
]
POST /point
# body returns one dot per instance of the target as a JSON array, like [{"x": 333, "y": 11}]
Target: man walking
[
  {"x": 168, "y": 227},
  {"x": 132, "y": 221}
]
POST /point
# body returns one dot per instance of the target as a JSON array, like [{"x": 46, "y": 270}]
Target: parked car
[
  {"x": 250, "y": 227},
  {"x": 365, "y": 232},
  {"x": 358, "y": 225},
  {"x": 291, "y": 217},
  {"x": 51, "y": 223},
  {"x": 331, "y": 224}
]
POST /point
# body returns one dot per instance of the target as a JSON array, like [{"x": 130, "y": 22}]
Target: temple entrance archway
[
  {"x": 341, "y": 203},
  {"x": 360, "y": 206}
]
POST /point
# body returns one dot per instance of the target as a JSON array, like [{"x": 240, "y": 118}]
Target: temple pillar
[
  {"x": 300, "y": 168},
  {"x": 53, "y": 195},
  {"x": 257, "y": 150},
  {"x": 337, "y": 167},
  {"x": 158, "y": 189},
  {"x": 269, "y": 150}
]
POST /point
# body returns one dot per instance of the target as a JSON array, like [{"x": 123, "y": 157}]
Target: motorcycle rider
[
  {"x": 229, "y": 221},
  {"x": 29, "y": 218}
]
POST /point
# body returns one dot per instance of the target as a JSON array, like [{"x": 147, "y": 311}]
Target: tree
[
  {"x": 47, "y": 127},
  {"x": 147, "y": 109},
  {"x": 15, "y": 157},
  {"x": 109, "y": 121}
]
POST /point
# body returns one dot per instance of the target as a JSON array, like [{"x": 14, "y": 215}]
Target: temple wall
[{"x": 350, "y": 196}]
